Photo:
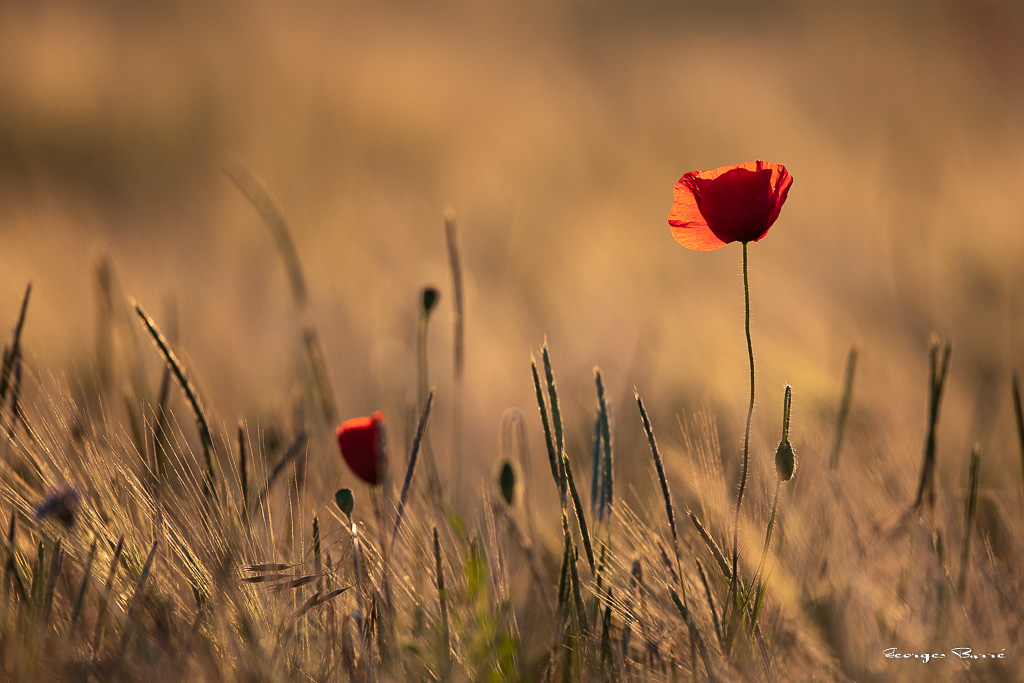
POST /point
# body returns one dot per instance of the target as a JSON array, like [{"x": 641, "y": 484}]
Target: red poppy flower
[
  {"x": 361, "y": 441},
  {"x": 729, "y": 204}
]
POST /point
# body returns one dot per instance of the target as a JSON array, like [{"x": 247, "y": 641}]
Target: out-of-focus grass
[{"x": 555, "y": 132}]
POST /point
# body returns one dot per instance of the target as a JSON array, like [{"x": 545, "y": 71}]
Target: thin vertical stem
[
  {"x": 243, "y": 471},
  {"x": 844, "y": 407},
  {"x": 442, "y": 597},
  {"x": 970, "y": 513},
  {"x": 750, "y": 413},
  {"x": 1019, "y": 413},
  {"x": 459, "y": 338}
]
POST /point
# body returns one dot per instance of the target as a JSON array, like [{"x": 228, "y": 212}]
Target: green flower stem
[{"x": 750, "y": 413}]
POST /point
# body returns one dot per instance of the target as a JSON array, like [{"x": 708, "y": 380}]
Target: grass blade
[
  {"x": 665, "y": 492},
  {"x": 716, "y": 552},
  {"x": 711, "y": 602},
  {"x": 442, "y": 598},
  {"x": 205, "y": 436},
  {"x": 1019, "y": 414},
  {"x": 11, "y": 566},
  {"x": 317, "y": 558},
  {"x": 52, "y": 573},
  {"x": 266, "y": 204},
  {"x": 970, "y": 510},
  {"x": 596, "y": 489},
  {"x": 243, "y": 470},
  {"x": 556, "y": 411},
  {"x": 553, "y": 456},
  {"x": 115, "y": 562},
  {"x": 458, "y": 335},
  {"x": 605, "y": 472},
  {"x": 294, "y": 449},
  {"x": 844, "y": 407},
  {"x": 411, "y": 469},
  {"x": 694, "y": 634},
  {"x": 581, "y": 518},
  {"x": 939, "y": 358},
  {"x": 133, "y": 606},
  {"x": 76, "y": 611},
  {"x": 12, "y": 351},
  {"x": 563, "y": 574}
]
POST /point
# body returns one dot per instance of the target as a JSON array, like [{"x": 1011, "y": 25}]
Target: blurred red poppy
[
  {"x": 729, "y": 204},
  {"x": 361, "y": 441}
]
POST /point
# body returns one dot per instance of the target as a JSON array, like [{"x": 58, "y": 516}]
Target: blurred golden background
[{"x": 555, "y": 132}]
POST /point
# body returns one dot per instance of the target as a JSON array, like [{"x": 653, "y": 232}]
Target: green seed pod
[
  {"x": 785, "y": 460},
  {"x": 346, "y": 501},
  {"x": 507, "y": 482}
]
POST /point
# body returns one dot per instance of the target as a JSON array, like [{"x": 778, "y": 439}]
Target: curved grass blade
[
  {"x": 458, "y": 334},
  {"x": 411, "y": 469},
  {"x": 266, "y": 204},
  {"x": 205, "y": 436}
]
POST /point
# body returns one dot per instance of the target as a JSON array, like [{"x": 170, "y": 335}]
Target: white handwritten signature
[{"x": 956, "y": 652}]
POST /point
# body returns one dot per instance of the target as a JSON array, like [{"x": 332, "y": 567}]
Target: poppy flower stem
[{"x": 750, "y": 413}]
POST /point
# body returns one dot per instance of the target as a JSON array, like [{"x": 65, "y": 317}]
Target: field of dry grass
[{"x": 553, "y": 133}]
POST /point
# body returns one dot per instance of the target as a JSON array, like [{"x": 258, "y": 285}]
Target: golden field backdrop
[{"x": 555, "y": 132}]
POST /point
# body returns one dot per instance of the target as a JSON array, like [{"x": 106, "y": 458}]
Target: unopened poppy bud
[
  {"x": 785, "y": 460},
  {"x": 430, "y": 299},
  {"x": 346, "y": 501},
  {"x": 507, "y": 482},
  {"x": 361, "y": 441}
]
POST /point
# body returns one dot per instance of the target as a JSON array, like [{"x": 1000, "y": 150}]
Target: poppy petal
[
  {"x": 736, "y": 203},
  {"x": 688, "y": 225},
  {"x": 361, "y": 443}
]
